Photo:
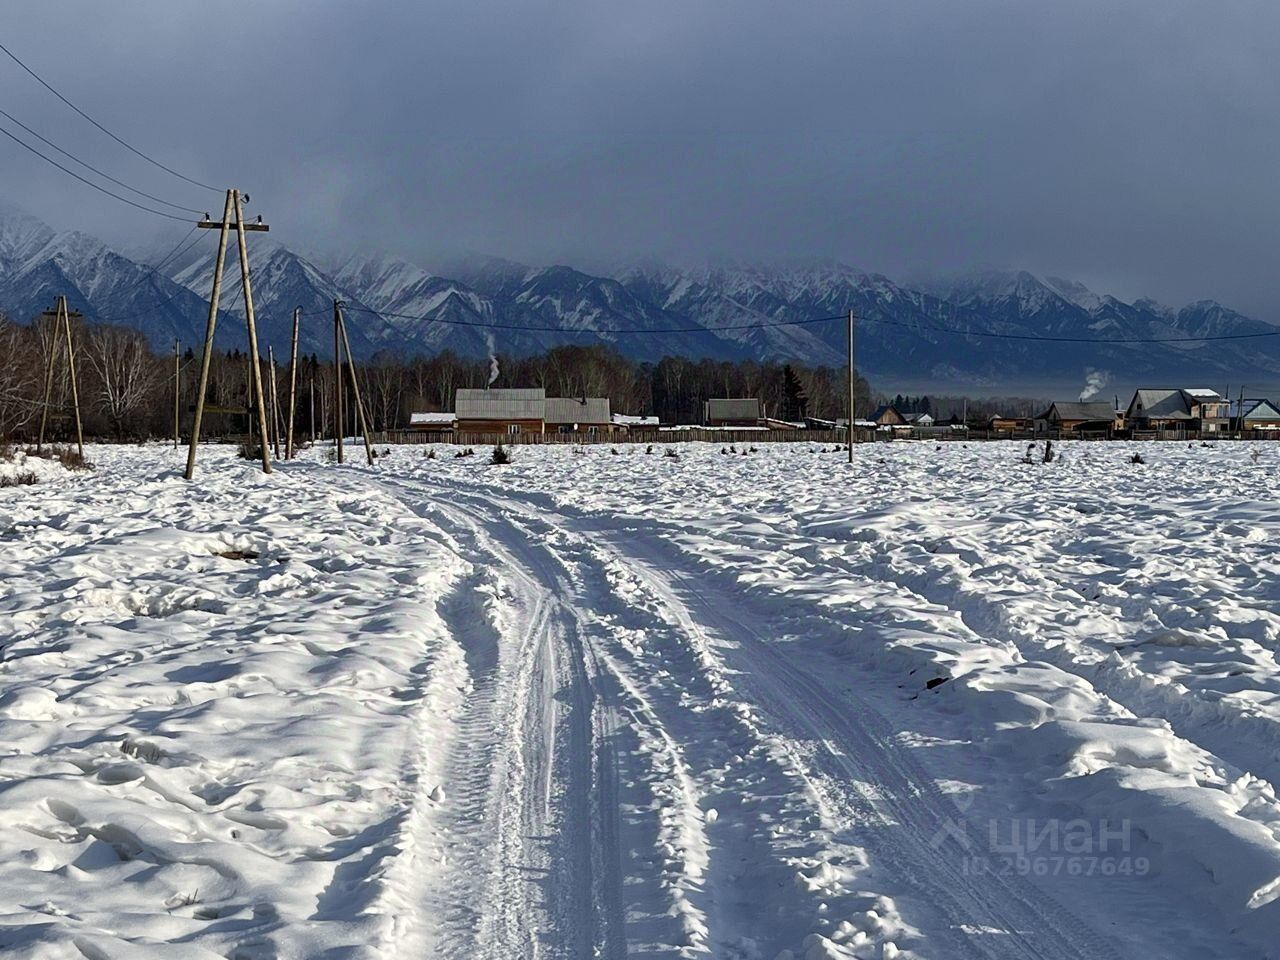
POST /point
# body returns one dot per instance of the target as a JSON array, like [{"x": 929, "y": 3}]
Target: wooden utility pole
[
  {"x": 313, "y": 408},
  {"x": 275, "y": 401},
  {"x": 355, "y": 384},
  {"x": 852, "y": 389},
  {"x": 61, "y": 318},
  {"x": 224, "y": 227},
  {"x": 177, "y": 391},
  {"x": 248, "y": 400},
  {"x": 337, "y": 379},
  {"x": 258, "y": 397},
  {"x": 293, "y": 385}
]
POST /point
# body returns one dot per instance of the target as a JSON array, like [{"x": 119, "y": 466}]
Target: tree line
[{"x": 127, "y": 390}]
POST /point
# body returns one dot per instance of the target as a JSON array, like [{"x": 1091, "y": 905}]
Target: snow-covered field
[{"x": 939, "y": 704}]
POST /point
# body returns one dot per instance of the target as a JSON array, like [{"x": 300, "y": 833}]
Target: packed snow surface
[{"x": 940, "y": 703}]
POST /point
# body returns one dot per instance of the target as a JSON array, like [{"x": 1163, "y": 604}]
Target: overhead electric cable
[
  {"x": 98, "y": 187},
  {"x": 547, "y": 328},
  {"x": 89, "y": 166},
  {"x": 534, "y": 328},
  {"x": 182, "y": 246},
  {"x": 1051, "y": 339},
  {"x": 128, "y": 146}
]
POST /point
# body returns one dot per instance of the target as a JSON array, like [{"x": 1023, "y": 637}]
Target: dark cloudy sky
[{"x": 1133, "y": 145}]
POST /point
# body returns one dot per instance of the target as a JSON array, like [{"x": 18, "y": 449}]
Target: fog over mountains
[{"x": 905, "y": 339}]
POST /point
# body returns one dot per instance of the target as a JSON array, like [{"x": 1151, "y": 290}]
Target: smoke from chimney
[
  {"x": 493, "y": 360},
  {"x": 1094, "y": 381}
]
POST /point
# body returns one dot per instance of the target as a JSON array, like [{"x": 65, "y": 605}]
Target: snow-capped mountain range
[{"x": 906, "y": 335}]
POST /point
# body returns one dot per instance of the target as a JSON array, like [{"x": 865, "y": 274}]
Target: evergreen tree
[{"x": 794, "y": 400}]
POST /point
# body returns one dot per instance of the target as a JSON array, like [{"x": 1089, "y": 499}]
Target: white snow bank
[{"x": 213, "y": 704}]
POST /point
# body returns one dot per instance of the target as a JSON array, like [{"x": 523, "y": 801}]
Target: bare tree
[
  {"x": 19, "y": 377},
  {"x": 386, "y": 386},
  {"x": 125, "y": 374}
]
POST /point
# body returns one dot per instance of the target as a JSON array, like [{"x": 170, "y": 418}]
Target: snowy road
[{"x": 945, "y": 705}]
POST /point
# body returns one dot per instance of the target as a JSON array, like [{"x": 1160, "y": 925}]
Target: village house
[
  {"x": 887, "y": 415},
  {"x": 626, "y": 423},
  {"x": 734, "y": 412},
  {"x": 523, "y": 410},
  {"x": 1078, "y": 418},
  {"x": 1254, "y": 415},
  {"x": 433, "y": 423},
  {"x": 589, "y": 415},
  {"x": 1177, "y": 413},
  {"x": 509, "y": 411}
]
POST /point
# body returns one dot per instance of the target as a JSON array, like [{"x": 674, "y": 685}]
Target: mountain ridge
[{"x": 957, "y": 333}]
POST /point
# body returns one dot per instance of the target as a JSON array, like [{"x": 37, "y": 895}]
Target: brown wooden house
[{"x": 508, "y": 411}]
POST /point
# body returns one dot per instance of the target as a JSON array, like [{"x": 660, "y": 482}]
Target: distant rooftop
[
  {"x": 567, "y": 410},
  {"x": 507, "y": 403},
  {"x": 421, "y": 419}
]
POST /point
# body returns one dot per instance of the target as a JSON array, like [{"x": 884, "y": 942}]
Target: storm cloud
[{"x": 1131, "y": 145}]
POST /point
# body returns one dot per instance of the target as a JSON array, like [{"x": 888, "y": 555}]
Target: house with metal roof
[
  {"x": 432, "y": 422},
  {"x": 1177, "y": 412},
  {"x": 513, "y": 411},
  {"x": 1093, "y": 418},
  {"x": 504, "y": 410},
  {"x": 1249, "y": 415},
  {"x": 887, "y": 415},
  {"x": 629, "y": 424},
  {"x": 734, "y": 412},
  {"x": 578, "y": 414}
]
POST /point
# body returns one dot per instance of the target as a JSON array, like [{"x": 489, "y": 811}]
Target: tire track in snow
[
  {"x": 769, "y": 840},
  {"x": 552, "y": 887},
  {"x": 1030, "y": 923},
  {"x": 903, "y": 797}
]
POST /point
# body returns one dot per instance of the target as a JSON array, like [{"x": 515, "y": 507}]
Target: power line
[
  {"x": 99, "y": 188},
  {"x": 12, "y": 56},
  {"x": 182, "y": 246},
  {"x": 174, "y": 252},
  {"x": 89, "y": 166},
  {"x": 534, "y": 328},
  {"x": 538, "y": 328},
  {"x": 1051, "y": 339}
]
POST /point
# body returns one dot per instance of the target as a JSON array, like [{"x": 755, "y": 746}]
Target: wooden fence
[
  {"x": 706, "y": 435},
  {"x": 752, "y": 437}
]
